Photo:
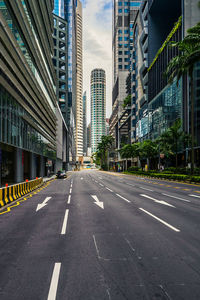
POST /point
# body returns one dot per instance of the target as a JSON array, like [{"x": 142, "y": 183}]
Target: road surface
[{"x": 97, "y": 236}]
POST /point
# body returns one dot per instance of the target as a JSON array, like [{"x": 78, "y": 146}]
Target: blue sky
[{"x": 97, "y": 44}]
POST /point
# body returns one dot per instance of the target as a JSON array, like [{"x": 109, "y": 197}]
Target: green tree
[
  {"x": 149, "y": 150},
  {"x": 103, "y": 148},
  {"x": 173, "y": 139},
  {"x": 130, "y": 151},
  {"x": 127, "y": 101},
  {"x": 184, "y": 63}
]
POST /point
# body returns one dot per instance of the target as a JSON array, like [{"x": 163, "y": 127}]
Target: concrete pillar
[
  {"x": 19, "y": 165},
  {"x": 42, "y": 166},
  {"x": 32, "y": 166}
]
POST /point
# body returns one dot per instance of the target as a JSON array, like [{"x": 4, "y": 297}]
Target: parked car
[{"x": 61, "y": 175}]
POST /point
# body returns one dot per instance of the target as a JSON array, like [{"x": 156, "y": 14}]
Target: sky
[{"x": 97, "y": 46}]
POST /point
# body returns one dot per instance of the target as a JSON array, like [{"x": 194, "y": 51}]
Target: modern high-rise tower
[
  {"x": 98, "y": 107},
  {"x": 79, "y": 83},
  {"x": 124, "y": 13},
  {"x": 85, "y": 124}
]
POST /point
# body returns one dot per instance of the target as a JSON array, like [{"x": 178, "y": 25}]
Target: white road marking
[
  {"x": 123, "y": 198},
  {"x": 97, "y": 250},
  {"x": 81, "y": 178},
  {"x": 157, "y": 201},
  {"x": 64, "y": 227},
  {"x": 130, "y": 184},
  {"x": 101, "y": 184},
  {"x": 194, "y": 196},
  {"x": 146, "y": 189},
  {"x": 70, "y": 191},
  {"x": 176, "y": 197},
  {"x": 54, "y": 282},
  {"x": 100, "y": 177},
  {"x": 69, "y": 199},
  {"x": 96, "y": 181},
  {"x": 160, "y": 220},
  {"x": 109, "y": 190},
  {"x": 43, "y": 204},
  {"x": 99, "y": 203}
]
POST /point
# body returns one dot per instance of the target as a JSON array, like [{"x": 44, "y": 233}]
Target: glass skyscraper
[{"x": 98, "y": 107}]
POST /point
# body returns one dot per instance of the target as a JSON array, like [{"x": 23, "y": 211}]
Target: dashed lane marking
[
  {"x": 69, "y": 199},
  {"x": 64, "y": 227},
  {"x": 109, "y": 190},
  {"x": 194, "y": 196},
  {"x": 54, "y": 282},
  {"x": 145, "y": 189},
  {"x": 123, "y": 198},
  {"x": 176, "y": 197}
]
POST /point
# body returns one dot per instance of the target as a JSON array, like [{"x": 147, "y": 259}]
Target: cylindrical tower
[{"x": 98, "y": 107}]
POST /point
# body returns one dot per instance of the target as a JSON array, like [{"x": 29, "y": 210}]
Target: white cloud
[{"x": 97, "y": 45}]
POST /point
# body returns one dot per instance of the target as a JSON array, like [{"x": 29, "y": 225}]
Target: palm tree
[
  {"x": 184, "y": 63},
  {"x": 173, "y": 139},
  {"x": 148, "y": 149},
  {"x": 126, "y": 152},
  {"x": 103, "y": 148}
]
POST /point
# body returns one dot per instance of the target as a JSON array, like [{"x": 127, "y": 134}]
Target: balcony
[
  {"x": 145, "y": 46},
  {"x": 145, "y": 12}
]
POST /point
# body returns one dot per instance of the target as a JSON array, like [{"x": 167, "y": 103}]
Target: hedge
[{"x": 178, "y": 177}]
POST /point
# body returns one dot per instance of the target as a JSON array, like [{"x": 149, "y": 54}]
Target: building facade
[
  {"x": 60, "y": 62},
  {"x": 124, "y": 13},
  {"x": 158, "y": 105},
  {"x": 27, "y": 91},
  {"x": 66, "y": 9},
  {"x": 98, "y": 107},
  {"x": 79, "y": 83},
  {"x": 84, "y": 123}
]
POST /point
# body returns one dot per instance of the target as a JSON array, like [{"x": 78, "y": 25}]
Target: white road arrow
[
  {"x": 99, "y": 203},
  {"x": 157, "y": 201},
  {"x": 43, "y": 204}
]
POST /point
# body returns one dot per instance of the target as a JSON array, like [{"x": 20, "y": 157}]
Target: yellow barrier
[{"x": 16, "y": 191}]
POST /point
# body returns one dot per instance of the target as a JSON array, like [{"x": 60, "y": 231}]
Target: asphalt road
[{"x": 99, "y": 236}]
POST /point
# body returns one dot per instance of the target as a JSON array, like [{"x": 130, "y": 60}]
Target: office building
[
  {"x": 107, "y": 126},
  {"x": 27, "y": 91},
  {"x": 66, "y": 9},
  {"x": 84, "y": 123},
  {"x": 98, "y": 107},
  {"x": 60, "y": 62},
  {"x": 79, "y": 83},
  {"x": 158, "y": 104},
  {"x": 89, "y": 140},
  {"x": 124, "y": 13}
]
